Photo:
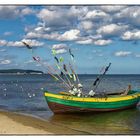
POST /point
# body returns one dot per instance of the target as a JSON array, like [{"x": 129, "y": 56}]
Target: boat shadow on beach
[{"x": 118, "y": 122}]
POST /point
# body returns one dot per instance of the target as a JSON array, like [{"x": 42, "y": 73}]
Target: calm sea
[{"x": 23, "y": 94}]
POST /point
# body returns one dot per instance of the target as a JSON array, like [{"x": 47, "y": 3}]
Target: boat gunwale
[{"x": 134, "y": 95}]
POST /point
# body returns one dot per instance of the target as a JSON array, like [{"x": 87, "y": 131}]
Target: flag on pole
[
  {"x": 54, "y": 52},
  {"x": 61, "y": 59},
  {"x": 57, "y": 60},
  {"x": 37, "y": 58},
  {"x": 27, "y": 45}
]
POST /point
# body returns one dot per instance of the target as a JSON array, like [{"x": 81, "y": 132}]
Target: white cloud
[
  {"x": 78, "y": 11},
  {"x": 70, "y": 35},
  {"x": 131, "y": 35},
  {"x": 33, "y": 43},
  {"x": 47, "y": 14},
  {"x": 112, "y": 8},
  {"x": 59, "y": 46},
  {"x": 123, "y": 53},
  {"x": 95, "y": 37},
  {"x": 86, "y": 25},
  {"x": 38, "y": 29},
  {"x": 14, "y": 43},
  {"x": 61, "y": 51},
  {"x": 5, "y": 62},
  {"x": 27, "y": 11},
  {"x": 51, "y": 36},
  {"x": 33, "y": 35},
  {"x": 7, "y": 33},
  {"x": 102, "y": 42},
  {"x": 130, "y": 14},
  {"x": 7, "y": 12},
  {"x": 11, "y": 12},
  {"x": 41, "y": 29},
  {"x": 87, "y": 41},
  {"x": 3, "y": 42},
  {"x": 83, "y": 24},
  {"x": 131, "y": 11},
  {"x": 111, "y": 29},
  {"x": 62, "y": 16},
  {"x": 54, "y": 17},
  {"x": 95, "y": 14}
]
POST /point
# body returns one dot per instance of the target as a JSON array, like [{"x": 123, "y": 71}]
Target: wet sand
[{"x": 17, "y": 124}]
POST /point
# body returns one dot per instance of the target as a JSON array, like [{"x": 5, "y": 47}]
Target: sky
[{"x": 97, "y": 35}]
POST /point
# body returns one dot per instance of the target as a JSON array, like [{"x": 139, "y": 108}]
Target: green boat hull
[{"x": 63, "y": 104}]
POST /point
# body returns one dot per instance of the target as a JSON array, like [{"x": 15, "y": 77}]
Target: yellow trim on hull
[{"x": 92, "y": 99}]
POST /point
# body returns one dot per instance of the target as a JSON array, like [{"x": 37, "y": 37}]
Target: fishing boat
[
  {"x": 73, "y": 100},
  {"x": 65, "y": 103}
]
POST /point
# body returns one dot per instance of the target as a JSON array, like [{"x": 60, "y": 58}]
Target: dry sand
[{"x": 16, "y": 124}]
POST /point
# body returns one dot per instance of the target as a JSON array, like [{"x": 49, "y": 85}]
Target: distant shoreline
[
  {"x": 34, "y": 72},
  {"x": 77, "y": 74},
  {"x": 20, "y": 71}
]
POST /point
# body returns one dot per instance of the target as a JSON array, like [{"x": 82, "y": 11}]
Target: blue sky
[{"x": 96, "y": 35}]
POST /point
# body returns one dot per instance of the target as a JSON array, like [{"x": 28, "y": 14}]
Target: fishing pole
[
  {"x": 56, "y": 78},
  {"x": 100, "y": 77},
  {"x": 67, "y": 72},
  {"x": 59, "y": 67},
  {"x": 74, "y": 74},
  {"x": 72, "y": 59},
  {"x": 57, "y": 74},
  {"x": 52, "y": 70},
  {"x": 64, "y": 65},
  {"x": 66, "y": 76},
  {"x": 62, "y": 71},
  {"x": 36, "y": 59}
]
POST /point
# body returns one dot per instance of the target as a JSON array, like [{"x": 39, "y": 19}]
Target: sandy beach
[{"x": 17, "y": 124}]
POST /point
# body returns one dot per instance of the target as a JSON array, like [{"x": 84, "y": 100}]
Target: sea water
[{"x": 24, "y": 94}]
